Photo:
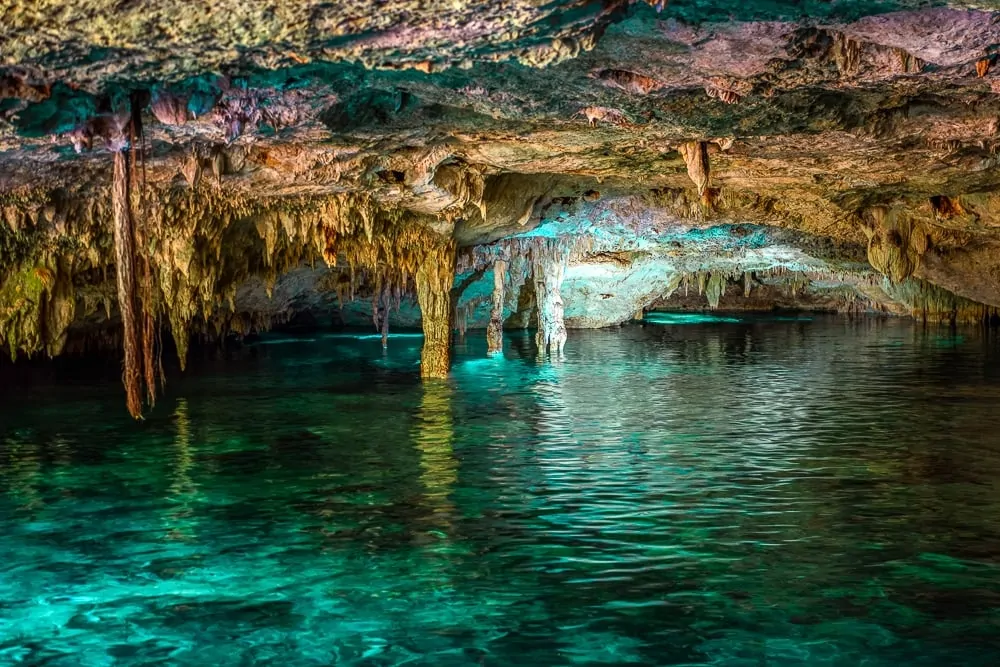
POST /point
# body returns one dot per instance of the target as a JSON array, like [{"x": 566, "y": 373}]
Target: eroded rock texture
[{"x": 332, "y": 158}]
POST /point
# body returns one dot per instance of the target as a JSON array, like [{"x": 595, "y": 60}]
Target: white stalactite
[{"x": 548, "y": 274}]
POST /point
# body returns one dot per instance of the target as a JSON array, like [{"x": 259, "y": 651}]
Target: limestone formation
[
  {"x": 351, "y": 161},
  {"x": 548, "y": 267},
  {"x": 494, "y": 330},
  {"x": 434, "y": 278}
]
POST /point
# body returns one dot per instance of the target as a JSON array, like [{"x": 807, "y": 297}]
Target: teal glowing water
[{"x": 778, "y": 493}]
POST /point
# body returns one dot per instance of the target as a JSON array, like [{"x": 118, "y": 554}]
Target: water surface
[{"x": 793, "y": 492}]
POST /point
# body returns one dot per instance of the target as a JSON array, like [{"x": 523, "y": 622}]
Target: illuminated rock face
[{"x": 726, "y": 154}]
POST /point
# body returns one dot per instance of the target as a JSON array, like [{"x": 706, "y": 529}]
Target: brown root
[{"x": 124, "y": 237}]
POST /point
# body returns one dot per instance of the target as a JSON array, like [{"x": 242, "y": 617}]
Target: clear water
[{"x": 811, "y": 492}]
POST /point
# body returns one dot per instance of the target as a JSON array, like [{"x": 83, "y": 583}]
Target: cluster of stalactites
[
  {"x": 713, "y": 284},
  {"x": 396, "y": 250},
  {"x": 930, "y": 303},
  {"x": 896, "y": 242},
  {"x": 202, "y": 243},
  {"x": 37, "y": 306},
  {"x": 44, "y": 242}
]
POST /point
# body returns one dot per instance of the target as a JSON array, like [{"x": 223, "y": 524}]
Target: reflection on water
[
  {"x": 819, "y": 492},
  {"x": 434, "y": 434}
]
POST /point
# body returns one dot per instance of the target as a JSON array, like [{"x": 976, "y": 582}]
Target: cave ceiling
[{"x": 867, "y": 127}]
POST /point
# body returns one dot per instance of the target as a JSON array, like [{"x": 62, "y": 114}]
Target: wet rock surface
[{"x": 313, "y": 158}]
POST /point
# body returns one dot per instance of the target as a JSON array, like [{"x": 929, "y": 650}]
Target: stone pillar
[
  {"x": 548, "y": 276},
  {"x": 494, "y": 331},
  {"x": 434, "y": 280}
]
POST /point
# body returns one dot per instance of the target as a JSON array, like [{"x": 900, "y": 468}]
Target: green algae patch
[{"x": 22, "y": 297}]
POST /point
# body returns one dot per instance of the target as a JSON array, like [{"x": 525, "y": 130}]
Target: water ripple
[{"x": 724, "y": 492}]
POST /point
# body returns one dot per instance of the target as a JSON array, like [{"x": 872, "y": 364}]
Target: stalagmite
[
  {"x": 124, "y": 237},
  {"x": 434, "y": 279},
  {"x": 494, "y": 331},
  {"x": 548, "y": 270}
]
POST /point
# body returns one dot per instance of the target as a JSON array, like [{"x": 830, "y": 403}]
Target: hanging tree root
[
  {"x": 124, "y": 237},
  {"x": 138, "y": 321}
]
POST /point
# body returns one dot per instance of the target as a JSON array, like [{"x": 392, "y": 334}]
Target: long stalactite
[
  {"x": 494, "y": 331},
  {"x": 434, "y": 279},
  {"x": 548, "y": 270}
]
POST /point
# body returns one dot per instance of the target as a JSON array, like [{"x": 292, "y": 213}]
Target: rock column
[
  {"x": 548, "y": 271},
  {"x": 434, "y": 280},
  {"x": 494, "y": 331}
]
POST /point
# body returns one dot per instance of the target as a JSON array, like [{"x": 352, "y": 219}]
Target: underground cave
[{"x": 499, "y": 332}]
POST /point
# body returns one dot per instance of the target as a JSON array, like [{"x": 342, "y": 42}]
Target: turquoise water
[{"x": 813, "y": 492}]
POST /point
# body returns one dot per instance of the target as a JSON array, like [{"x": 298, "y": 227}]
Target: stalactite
[
  {"x": 381, "y": 303},
  {"x": 434, "y": 279},
  {"x": 124, "y": 238},
  {"x": 846, "y": 53},
  {"x": 715, "y": 288},
  {"x": 895, "y": 243},
  {"x": 548, "y": 267},
  {"x": 931, "y": 303},
  {"x": 494, "y": 331},
  {"x": 385, "y": 319},
  {"x": 695, "y": 154}
]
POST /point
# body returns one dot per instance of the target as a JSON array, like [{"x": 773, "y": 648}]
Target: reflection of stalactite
[
  {"x": 434, "y": 280},
  {"x": 494, "y": 331},
  {"x": 182, "y": 444},
  {"x": 22, "y": 471},
  {"x": 181, "y": 487},
  {"x": 434, "y": 436}
]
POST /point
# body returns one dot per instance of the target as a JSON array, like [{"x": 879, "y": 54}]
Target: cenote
[
  {"x": 734, "y": 491},
  {"x": 507, "y": 334}
]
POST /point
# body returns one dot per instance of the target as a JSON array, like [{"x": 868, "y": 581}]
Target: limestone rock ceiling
[{"x": 871, "y": 126}]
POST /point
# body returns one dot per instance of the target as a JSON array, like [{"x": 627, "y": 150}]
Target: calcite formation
[{"x": 173, "y": 173}]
